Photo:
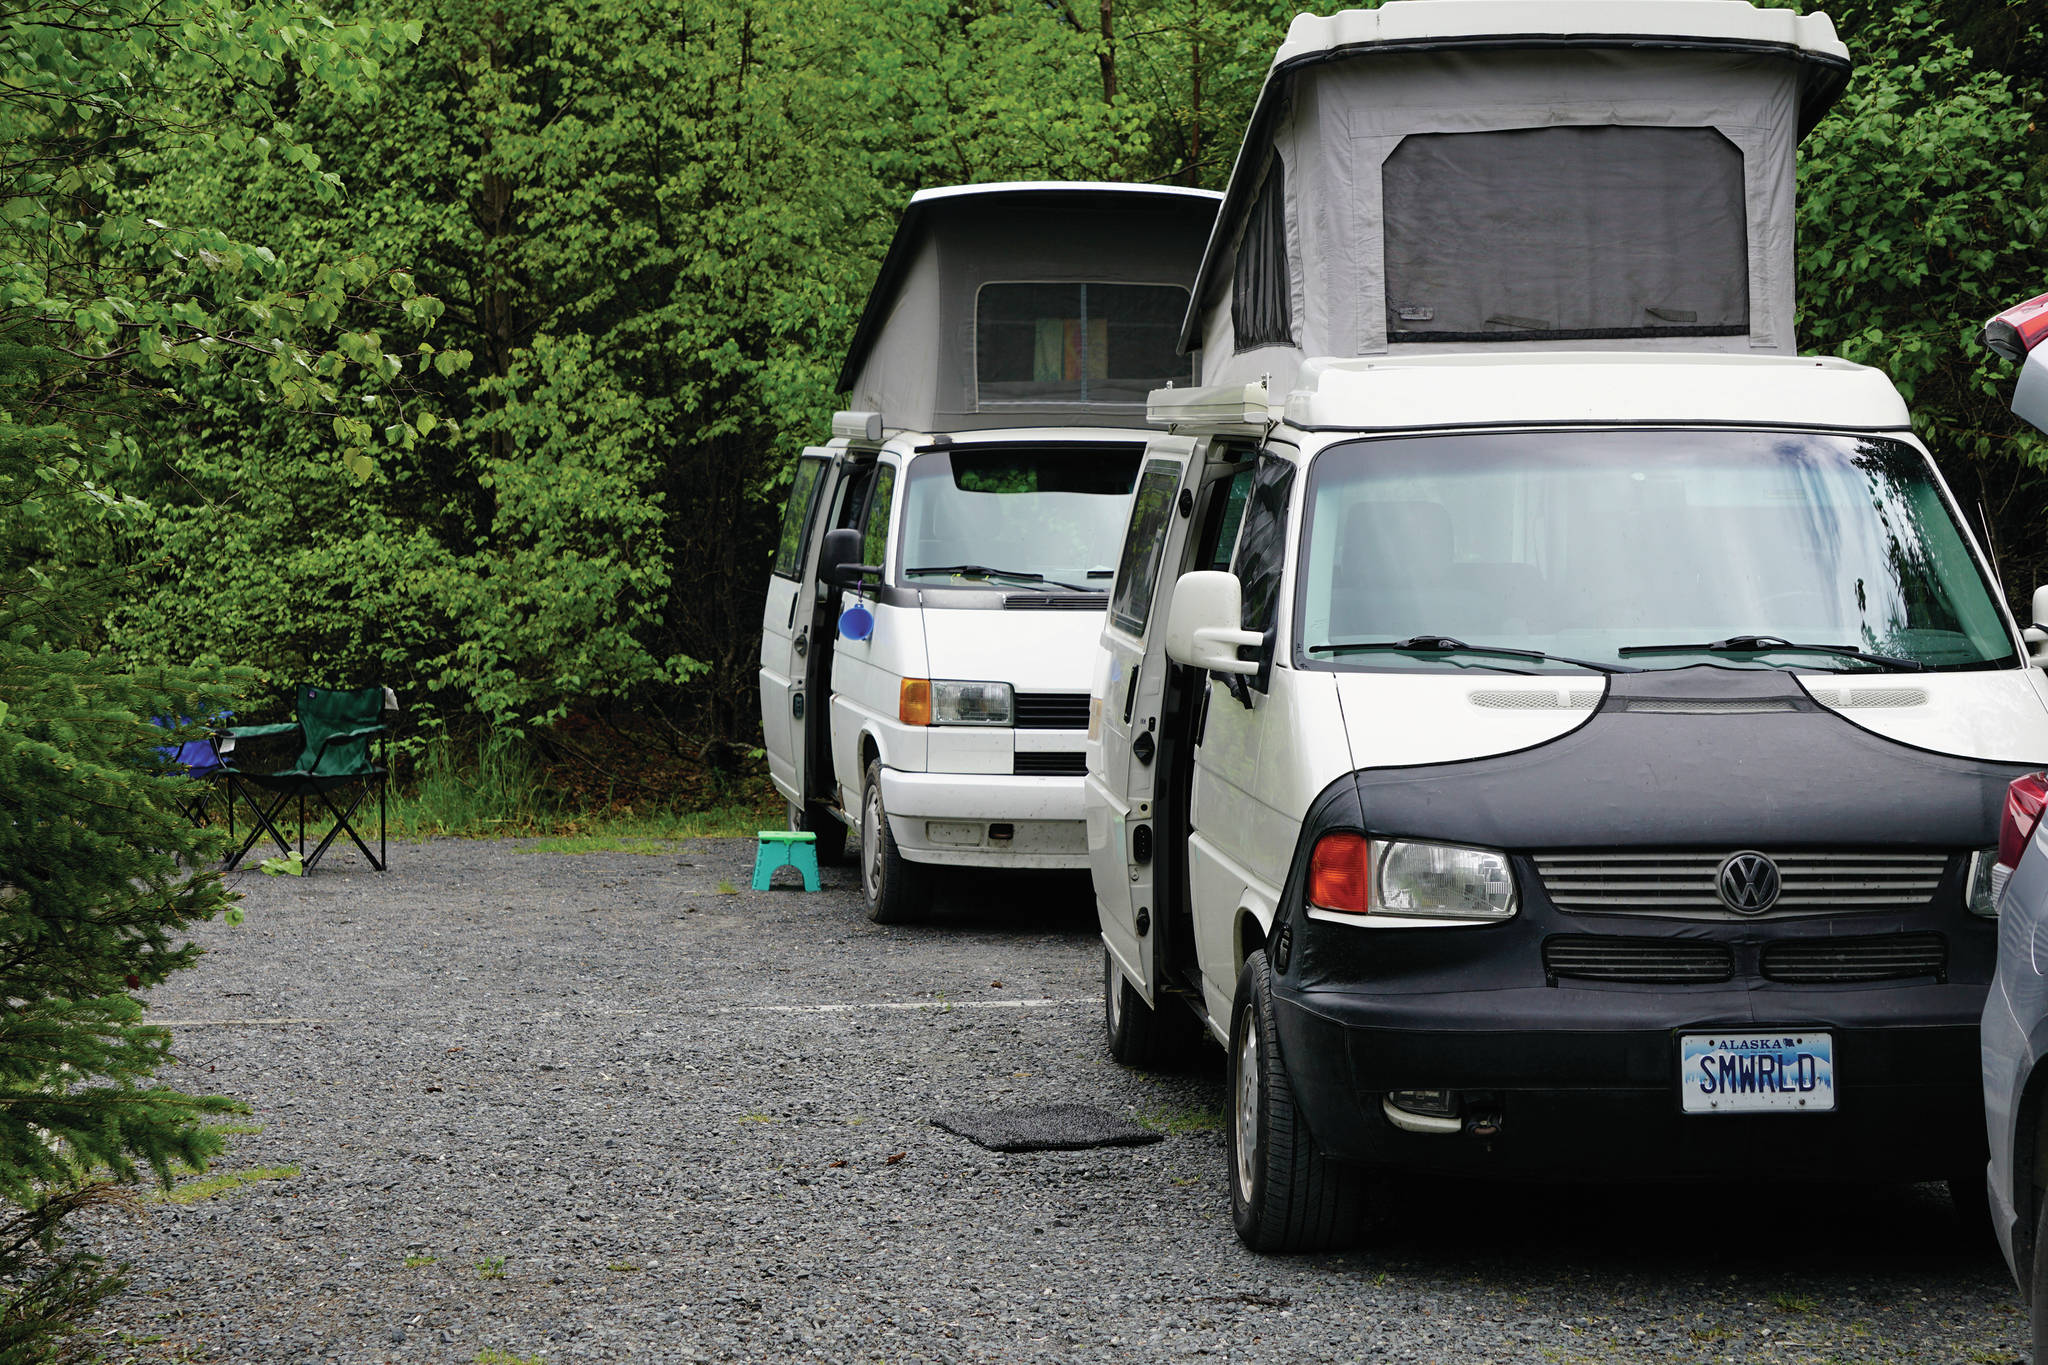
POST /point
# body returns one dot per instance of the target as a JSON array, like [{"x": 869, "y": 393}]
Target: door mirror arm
[
  {"x": 1202, "y": 624},
  {"x": 839, "y": 560}
]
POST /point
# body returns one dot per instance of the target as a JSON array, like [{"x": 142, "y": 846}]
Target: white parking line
[{"x": 847, "y": 1007}]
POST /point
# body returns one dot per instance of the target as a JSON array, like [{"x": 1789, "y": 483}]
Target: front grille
[
  {"x": 1051, "y": 765},
  {"x": 1648, "y": 961},
  {"x": 1885, "y": 957},
  {"x": 1051, "y": 710},
  {"x": 1054, "y": 601},
  {"x": 1630, "y": 882}
]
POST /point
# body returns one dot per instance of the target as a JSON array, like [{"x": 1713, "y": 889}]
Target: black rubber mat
[{"x": 1043, "y": 1128}]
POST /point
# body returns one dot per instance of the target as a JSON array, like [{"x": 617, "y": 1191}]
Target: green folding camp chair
[{"x": 337, "y": 764}]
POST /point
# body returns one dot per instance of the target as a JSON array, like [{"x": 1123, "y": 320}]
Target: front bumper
[
  {"x": 1584, "y": 1081},
  {"x": 956, "y": 819}
]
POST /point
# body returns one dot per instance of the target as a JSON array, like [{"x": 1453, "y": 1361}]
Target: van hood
[
  {"x": 1033, "y": 651},
  {"x": 1690, "y": 757},
  {"x": 1997, "y": 714}
]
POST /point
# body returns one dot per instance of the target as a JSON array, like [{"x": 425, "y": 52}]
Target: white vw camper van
[
  {"x": 1545, "y": 725},
  {"x": 938, "y": 590}
]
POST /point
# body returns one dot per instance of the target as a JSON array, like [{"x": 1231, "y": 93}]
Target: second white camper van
[{"x": 945, "y": 560}]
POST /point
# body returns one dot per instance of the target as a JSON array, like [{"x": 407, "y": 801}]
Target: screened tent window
[
  {"x": 1565, "y": 234},
  {"x": 1137, "y": 570},
  {"x": 1261, "y": 287},
  {"x": 796, "y": 517},
  {"x": 1078, "y": 343}
]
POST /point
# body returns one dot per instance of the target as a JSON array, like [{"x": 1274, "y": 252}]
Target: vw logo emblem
[{"x": 1747, "y": 883}]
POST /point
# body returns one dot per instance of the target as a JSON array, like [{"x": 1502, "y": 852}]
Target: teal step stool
[{"x": 785, "y": 848}]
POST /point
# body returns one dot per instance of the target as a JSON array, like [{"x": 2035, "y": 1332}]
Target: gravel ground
[{"x": 600, "y": 1106}]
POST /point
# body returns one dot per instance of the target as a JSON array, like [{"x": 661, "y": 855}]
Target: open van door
[
  {"x": 785, "y": 628},
  {"x": 1121, "y": 769}
]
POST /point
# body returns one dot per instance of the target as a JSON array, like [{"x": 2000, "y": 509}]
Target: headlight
[
  {"x": 1987, "y": 882},
  {"x": 1405, "y": 879},
  {"x": 970, "y": 703}
]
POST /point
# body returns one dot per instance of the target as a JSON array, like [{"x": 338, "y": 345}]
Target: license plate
[{"x": 1751, "y": 1073}]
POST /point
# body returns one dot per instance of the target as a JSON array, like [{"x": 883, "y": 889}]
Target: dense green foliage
[
  {"x": 652, "y": 228},
  {"x": 109, "y": 307}
]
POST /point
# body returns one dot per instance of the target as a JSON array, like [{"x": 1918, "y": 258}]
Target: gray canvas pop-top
[
  {"x": 1557, "y": 174},
  {"x": 1020, "y": 305}
]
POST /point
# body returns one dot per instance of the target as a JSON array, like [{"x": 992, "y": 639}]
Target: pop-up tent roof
[
  {"x": 1029, "y": 305},
  {"x": 1613, "y": 174}
]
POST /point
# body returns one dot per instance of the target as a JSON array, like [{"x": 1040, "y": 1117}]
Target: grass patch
[
  {"x": 1793, "y": 1303},
  {"x": 727, "y": 889},
  {"x": 192, "y": 1191},
  {"x": 234, "y": 1129},
  {"x": 415, "y": 1262},
  {"x": 491, "y": 1268},
  {"x": 621, "y": 1267},
  {"x": 491, "y": 1355},
  {"x": 1183, "y": 1120}
]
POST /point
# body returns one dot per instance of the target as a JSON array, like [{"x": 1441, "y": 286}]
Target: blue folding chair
[{"x": 205, "y": 762}]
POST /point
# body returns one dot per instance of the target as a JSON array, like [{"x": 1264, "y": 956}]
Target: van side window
[
  {"x": 1137, "y": 569},
  {"x": 876, "y": 538},
  {"x": 1262, "y": 548},
  {"x": 1224, "y": 521},
  {"x": 797, "y": 517}
]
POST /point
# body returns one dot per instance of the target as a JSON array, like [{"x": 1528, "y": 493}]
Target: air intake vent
[
  {"x": 1050, "y": 765},
  {"x": 1049, "y": 601},
  {"x": 1629, "y": 882},
  {"x": 1886, "y": 957},
  {"x": 1052, "y": 711},
  {"x": 1533, "y": 699},
  {"x": 1874, "y": 698},
  {"x": 1709, "y": 706},
  {"x": 1645, "y": 961}
]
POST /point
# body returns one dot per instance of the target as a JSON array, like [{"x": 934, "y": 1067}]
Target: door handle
[{"x": 802, "y": 643}]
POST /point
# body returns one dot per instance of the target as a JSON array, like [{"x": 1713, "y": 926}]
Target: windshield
[
  {"x": 1640, "y": 549},
  {"x": 1050, "y": 517}
]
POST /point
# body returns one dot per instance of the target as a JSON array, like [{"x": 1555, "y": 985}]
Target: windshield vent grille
[
  {"x": 1518, "y": 699},
  {"x": 1890, "y": 957},
  {"x": 1628, "y": 882},
  {"x": 1645, "y": 961},
  {"x": 1050, "y": 765},
  {"x": 1051, "y": 711},
  {"x": 1849, "y": 698},
  {"x": 1052, "y": 601},
  {"x": 1709, "y": 706}
]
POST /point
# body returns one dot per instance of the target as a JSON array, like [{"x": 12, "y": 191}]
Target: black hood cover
[{"x": 1698, "y": 757}]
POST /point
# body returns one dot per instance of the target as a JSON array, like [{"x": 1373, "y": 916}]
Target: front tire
[
  {"x": 1139, "y": 1035},
  {"x": 831, "y": 831},
  {"x": 1285, "y": 1195},
  {"x": 897, "y": 890},
  {"x": 2037, "y": 1283}
]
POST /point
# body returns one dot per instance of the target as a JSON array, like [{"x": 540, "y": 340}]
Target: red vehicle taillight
[
  {"x": 2018, "y": 329},
  {"x": 2024, "y": 801},
  {"x": 1339, "y": 873}
]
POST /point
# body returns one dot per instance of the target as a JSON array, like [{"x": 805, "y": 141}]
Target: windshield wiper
[
  {"x": 1771, "y": 644},
  {"x": 1444, "y": 644},
  {"x": 984, "y": 571}
]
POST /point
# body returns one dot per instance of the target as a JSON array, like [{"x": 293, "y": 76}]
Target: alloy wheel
[
  {"x": 871, "y": 844},
  {"x": 1245, "y": 1113}
]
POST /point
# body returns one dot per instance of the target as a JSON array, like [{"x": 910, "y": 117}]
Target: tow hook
[{"x": 1483, "y": 1125}]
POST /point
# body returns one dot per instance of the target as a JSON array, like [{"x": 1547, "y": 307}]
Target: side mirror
[
  {"x": 2036, "y": 632},
  {"x": 2030, "y": 397},
  {"x": 1204, "y": 625},
  {"x": 839, "y": 559}
]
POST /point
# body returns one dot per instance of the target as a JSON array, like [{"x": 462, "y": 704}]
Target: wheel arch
[{"x": 2029, "y": 1168}]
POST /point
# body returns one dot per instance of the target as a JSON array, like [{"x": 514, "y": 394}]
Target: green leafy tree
[{"x": 112, "y": 299}]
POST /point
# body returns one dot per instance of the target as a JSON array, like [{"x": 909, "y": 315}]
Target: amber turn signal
[
  {"x": 1338, "y": 873},
  {"x": 914, "y": 702}
]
